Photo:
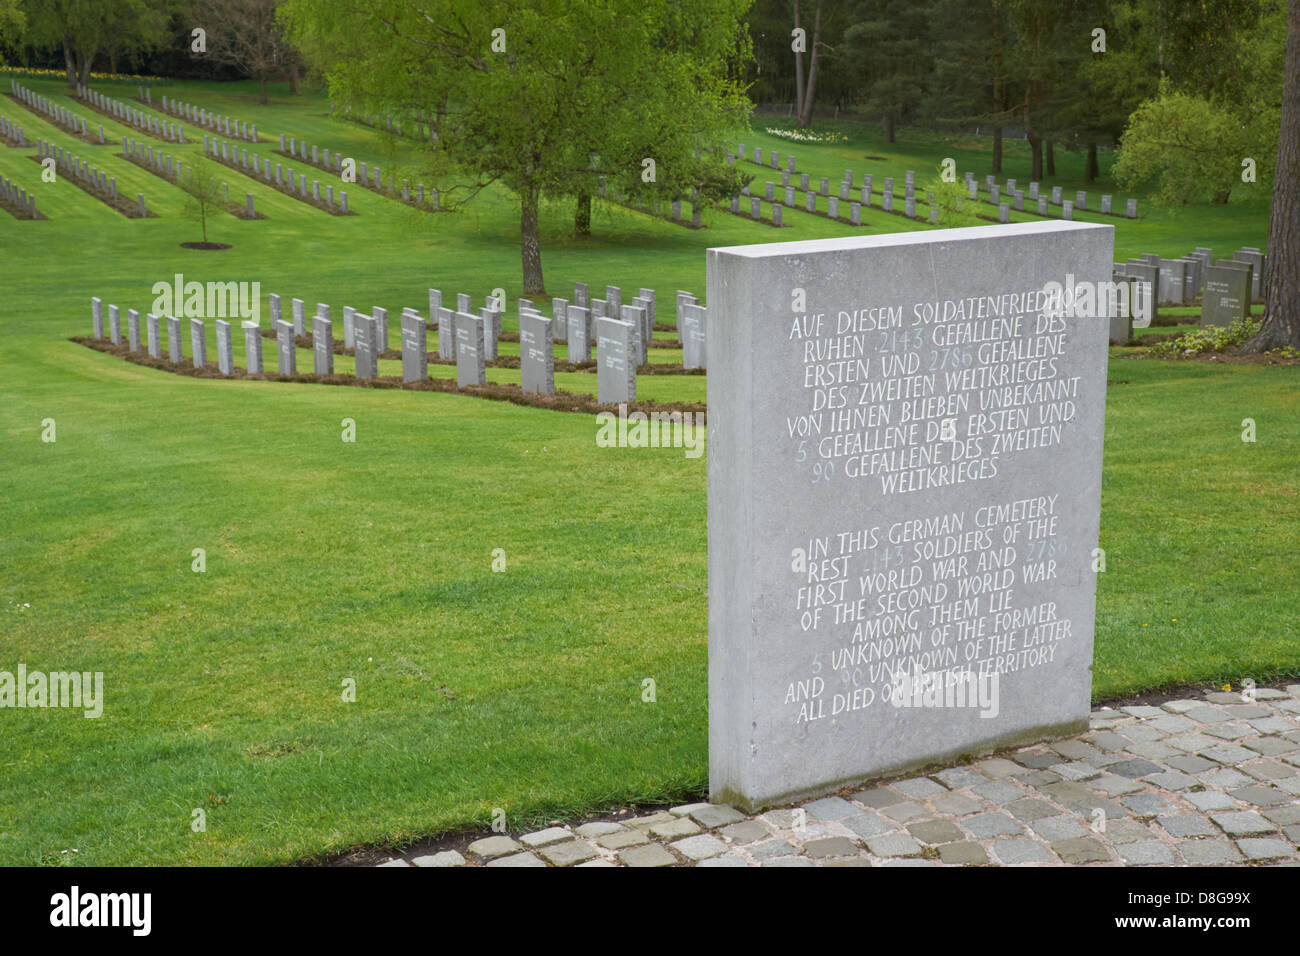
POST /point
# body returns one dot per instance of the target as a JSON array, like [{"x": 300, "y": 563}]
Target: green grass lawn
[{"x": 371, "y": 560}]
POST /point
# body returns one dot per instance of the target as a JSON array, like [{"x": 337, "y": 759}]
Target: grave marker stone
[
  {"x": 536, "y": 355},
  {"x": 615, "y": 358},
  {"x": 286, "y": 353},
  {"x": 415, "y": 349},
  {"x": 470, "y": 368},
  {"x": 175, "y": 345},
  {"x": 579, "y": 334},
  {"x": 1227, "y": 292},
  {"x": 322, "y": 345},
  {"x": 253, "y": 347},
  {"x": 198, "y": 343},
  {"x": 153, "y": 336},
  {"x": 366, "y": 337},
  {"x": 225, "y": 348}
]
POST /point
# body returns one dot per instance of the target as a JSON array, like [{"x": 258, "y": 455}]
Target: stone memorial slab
[
  {"x": 536, "y": 354},
  {"x": 1148, "y": 279},
  {"x": 253, "y": 347},
  {"x": 920, "y": 546},
  {"x": 225, "y": 348},
  {"x": 366, "y": 339},
  {"x": 581, "y": 295},
  {"x": 559, "y": 320},
  {"x": 446, "y": 333},
  {"x": 97, "y": 316},
  {"x": 491, "y": 331},
  {"x": 463, "y": 303},
  {"x": 114, "y": 325},
  {"x": 349, "y": 327},
  {"x": 615, "y": 361},
  {"x": 1256, "y": 260},
  {"x": 299, "y": 318},
  {"x": 470, "y": 368},
  {"x": 198, "y": 343},
  {"x": 286, "y": 351},
  {"x": 1171, "y": 281},
  {"x": 380, "y": 315},
  {"x": 175, "y": 344},
  {"x": 1227, "y": 292},
  {"x": 636, "y": 316},
  {"x": 579, "y": 334},
  {"x": 415, "y": 349},
  {"x": 322, "y": 345},
  {"x": 133, "y": 330},
  {"x": 694, "y": 330},
  {"x": 153, "y": 336}
]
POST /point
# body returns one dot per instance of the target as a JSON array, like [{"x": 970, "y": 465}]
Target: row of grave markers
[
  {"x": 18, "y": 198},
  {"x": 469, "y": 339},
  {"x": 60, "y": 115},
  {"x": 199, "y": 116},
  {"x": 164, "y": 129},
  {"x": 172, "y": 169},
  {"x": 83, "y": 171},
  {"x": 239, "y": 156},
  {"x": 1226, "y": 286},
  {"x": 370, "y": 176},
  {"x": 11, "y": 131}
]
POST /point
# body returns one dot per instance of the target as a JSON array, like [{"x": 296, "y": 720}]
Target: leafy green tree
[
  {"x": 524, "y": 92},
  {"x": 202, "y": 193},
  {"x": 889, "y": 42},
  {"x": 89, "y": 28}
]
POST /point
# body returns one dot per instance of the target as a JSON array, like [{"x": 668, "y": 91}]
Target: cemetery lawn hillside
[{"x": 371, "y": 560}]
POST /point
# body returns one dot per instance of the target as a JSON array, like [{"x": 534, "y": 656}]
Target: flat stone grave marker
[
  {"x": 133, "y": 329},
  {"x": 615, "y": 358},
  {"x": 1227, "y": 292},
  {"x": 366, "y": 338},
  {"x": 153, "y": 336},
  {"x": 198, "y": 343},
  {"x": 286, "y": 353},
  {"x": 225, "y": 348},
  {"x": 875, "y": 543},
  {"x": 114, "y": 325},
  {"x": 97, "y": 316},
  {"x": 446, "y": 333},
  {"x": 470, "y": 368},
  {"x": 415, "y": 349},
  {"x": 536, "y": 355},
  {"x": 579, "y": 334},
  {"x": 694, "y": 335},
  {"x": 322, "y": 345},
  {"x": 175, "y": 344},
  {"x": 253, "y": 347}
]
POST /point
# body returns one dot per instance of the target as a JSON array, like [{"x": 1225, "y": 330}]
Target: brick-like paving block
[
  {"x": 1127, "y": 830},
  {"x": 986, "y": 825},
  {"x": 877, "y": 798},
  {"x": 1209, "y": 852},
  {"x": 517, "y": 860},
  {"x": 650, "y": 854},
  {"x": 1134, "y": 768},
  {"x": 716, "y": 815},
  {"x": 1109, "y": 741},
  {"x": 1257, "y": 849},
  {"x": 1080, "y": 850},
  {"x": 936, "y": 831},
  {"x": 903, "y": 812},
  {"x": 617, "y": 841},
  {"x": 1190, "y": 763},
  {"x": 1114, "y": 785},
  {"x": 681, "y": 827},
  {"x": 1146, "y": 854},
  {"x": 830, "y": 847},
  {"x": 1265, "y": 797},
  {"x": 546, "y": 837},
  {"x": 956, "y": 804},
  {"x": 1171, "y": 780},
  {"x": 1187, "y": 825},
  {"x": 1142, "y": 710},
  {"x": 1207, "y": 715},
  {"x": 599, "y": 828},
  {"x": 489, "y": 848},
  {"x": 893, "y": 844},
  {"x": 571, "y": 853},
  {"x": 1014, "y": 852},
  {"x": 958, "y": 778},
  {"x": 1284, "y": 816},
  {"x": 784, "y": 861},
  {"x": 723, "y": 861},
  {"x": 831, "y": 808},
  {"x": 996, "y": 768},
  {"x": 869, "y": 824},
  {"x": 1149, "y": 804},
  {"x": 998, "y": 791},
  {"x": 436, "y": 860},
  {"x": 1242, "y": 823},
  {"x": 686, "y": 809},
  {"x": 700, "y": 847},
  {"x": 1030, "y": 809},
  {"x": 1228, "y": 754},
  {"x": 749, "y": 831},
  {"x": 650, "y": 819},
  {"x": 966, "y": 853},
  {"x": 1053, "y": 829},
  {"x": 771, "y": 849},
  {"x": 918, "y": 787}
]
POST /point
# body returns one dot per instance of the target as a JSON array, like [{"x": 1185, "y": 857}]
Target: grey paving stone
[
  {"x": 1264, "y": 849},
  {"x": 650, "y": 819},
  {"x": 1035, "y": 759},
  {"x": 1229, "y": 731},
  {"x": 1291, "y": 785},
  {"x": 546, "y": 837},
  {"x": 1190, "y": 763},
  {"x": 1031, "y": 809},
  {"x": 1146, "y": 854},
  {"x": 771, "y": 849},
  {"x": 1142, "y": 710},
  {"x": 1062, "y": 827},
  {"x": 958, "y": 778},
  {"x": 1225, "y": 779},
  {"x": 649, "y": 855},
  {"x": 1270, "y": 746},
  {"x": 443, "y": 859},
  {"x": 1292, "y": 833},
  {"x": 1076, "y": 771},
  {"x": 956, "y": 804},
  {"x": 700, "y": 847},
  {"x": 996, "y": 768},
  {"x": 784, "y": 819},
  {"x": 686, "y": 809},
  {"x": 1080, "y": 850},
  {"x": 1073, "y": 749},
  {"x": 833, "y": 808},
  {"x": 600, "y": 862},
  {"x": 917, "y": 788},
  {"x": 398, "y": 862},
  {"x": 1284, "y": 816},
  {"x": 1272, "y": 693},
  {"x": 909, "y": 862},
  {"x": 893, "y": 844},
  {"x": 902, "y": 812},
  {"x": 1187, "y": 825},
  {"x": 617, "y": 841},
  {"x": 1264, "y": 797},
  {"x": 1152, "y": 750},
  {"x": 1210, "y": 800},
  {"x": 1109, "y": 741},
  {"x": 1247, "y": 711},
  {"x": 1114, "y": 786},
  {"x": 1268, "y": 770},
  {"x": 570, "y": 853},
  {"x": 714, "y": 815},
  {"x": 723, "y": 861},
  {"x": 1293, "y": 690},
  {"x": 1272, "y": 725},
  {"x": 1172, "y": 780},
  {"x": 841, "y": 861},
  {"x": 598, "y": 828},
  {"x": 1207, "y": 715},
  {"x": 1037, "y": 778},
  {"x": 1149, "y": 804},
  {"x": 750, "y": 831},
  {"x": 1126, "y": 830},
  {"x": 1134, "y": 768},
  {"x": 1209, "y": 852},
  {"x": 878, "y": 797},
  {"x": 489, "y": 848},
  {"x": 788, "y": 861},
  {"x": 965, "y": 853},
  {"x": 936, "y": 831},
  {"x": 680, "y": 827},
  {"x": 1191, "y": 743},
  {"x": 830, "y": 847},
  {"x": 998, "y": 791},
  {"x": 1227, "y": 754},
  {"x": 986, "y": 825},
  {"x": 1223, "y": 697},
  {"x": 517, "y": 860},
  {"x": 1171, "y": 724},
  {"x": 1242, "y": 823},
  {"x": 869, "y": 825},
  {"x": 1181, "y": 706},
  {"x": 1014, "y": 852}
]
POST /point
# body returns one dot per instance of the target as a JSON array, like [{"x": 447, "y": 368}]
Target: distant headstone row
[
  {"x": 422, "y": 129},
  {"x": 127, "y": 113},
  {"x": 59, "y": 115},
  {"x": 369, "y": 176},
  {"x": 286, "y": 180},
  {"x": 997, "y": 196},
  {"x": 1226, "y": 286},
  {"x": 209, "y": 120},
  {"x": 172, "y": 169},
  {"x": 11, "y": 132},
  {"x": 24, "y": 205},
  {"x": 91, "y": 179}
]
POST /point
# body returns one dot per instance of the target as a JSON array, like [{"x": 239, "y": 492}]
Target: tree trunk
[
  {"x": 1093, "y": 170},
  {"x": 997, "y": 150},
  {"x": 261, "y": 86},
  {"x": 582, "y": 218},
  {"x": 86, "y": 64},
  {"x": 889, "y": 127},
  {"x": 293, "y": 80},
  {"x": 1035, "y": 157},
  {"x": 1051, "y": 159},
  {"x": 1282, "y": 293},
  {"x": 798, "y": 71},
  {"x": 805, "y": 119},
  {"x": 71, "y": 61},
  {"x": 530, "y": 245}
]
